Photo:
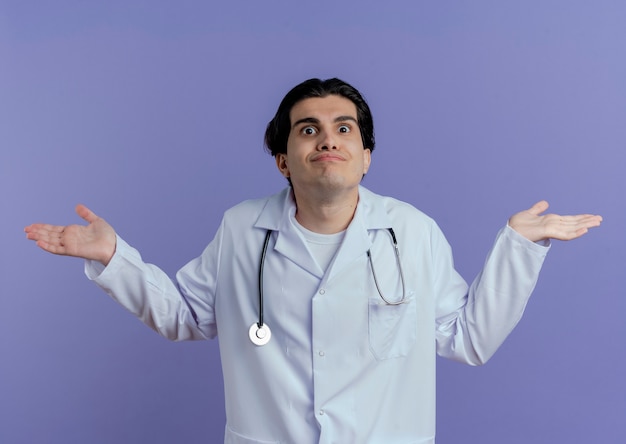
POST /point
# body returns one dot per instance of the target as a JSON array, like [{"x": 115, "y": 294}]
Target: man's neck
[{"x": 326, "y": 216}]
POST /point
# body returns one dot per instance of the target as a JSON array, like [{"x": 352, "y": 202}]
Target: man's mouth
[{"x": 327, "y": 156}]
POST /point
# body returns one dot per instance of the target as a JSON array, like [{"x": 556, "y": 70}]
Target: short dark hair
[{"x": 278, "y": 129}]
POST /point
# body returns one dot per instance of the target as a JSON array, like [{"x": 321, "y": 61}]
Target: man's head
[{"x": 279, "y": 128}]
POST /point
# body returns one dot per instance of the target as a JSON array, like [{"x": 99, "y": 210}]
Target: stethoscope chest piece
[{"x": 259, "y": 335}]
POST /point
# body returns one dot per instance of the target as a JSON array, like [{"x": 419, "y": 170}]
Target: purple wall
[{"x": 153, "y": 115}]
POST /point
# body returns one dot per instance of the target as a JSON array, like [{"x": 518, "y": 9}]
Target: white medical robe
[{"x": 342, "y": 366}]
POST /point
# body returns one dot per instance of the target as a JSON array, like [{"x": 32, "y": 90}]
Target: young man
[{"x": 329, "y": 301}]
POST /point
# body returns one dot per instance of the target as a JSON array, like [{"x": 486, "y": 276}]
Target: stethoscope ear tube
[{"x": 399, "y": 264}]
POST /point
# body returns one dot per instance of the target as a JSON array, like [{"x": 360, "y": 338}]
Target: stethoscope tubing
[
  {"x": 397, "y": 252},
  {"x": 261, "y": 267}
]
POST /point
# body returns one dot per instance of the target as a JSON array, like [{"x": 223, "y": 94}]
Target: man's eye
[
  {"x": 309, "y": 130},
  {"x": 344, "y": 129}
]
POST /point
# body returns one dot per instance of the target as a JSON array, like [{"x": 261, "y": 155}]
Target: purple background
[{"x": 152, "y": 113}]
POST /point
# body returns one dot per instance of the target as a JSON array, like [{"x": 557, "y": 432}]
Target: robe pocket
[
  {"x": 392, "y": 328},
  {"x": 235, "y": 438}
]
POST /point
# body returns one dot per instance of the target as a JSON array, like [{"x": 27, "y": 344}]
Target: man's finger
[
  {"x": 86, "y": 213},
  {"x": 539, "y": 208}
]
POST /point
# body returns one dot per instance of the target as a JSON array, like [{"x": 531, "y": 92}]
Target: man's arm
[
  {"x": 470, "y": 329},
  {"x": 143, "y": 289}
]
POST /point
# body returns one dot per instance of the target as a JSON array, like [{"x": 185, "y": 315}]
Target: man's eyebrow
[
  {"x": 315, "y": 120},
  {"x": 305, "y": 120},
  {"x": 345, "y": 118}
]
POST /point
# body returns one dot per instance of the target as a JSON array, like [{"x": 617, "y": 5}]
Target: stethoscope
[{"x": 260, "y": 333}]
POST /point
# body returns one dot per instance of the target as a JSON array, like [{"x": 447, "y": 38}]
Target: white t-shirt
[{"x": 323, "y": 247}]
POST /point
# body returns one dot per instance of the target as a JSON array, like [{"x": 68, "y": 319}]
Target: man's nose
[{"x": 327, "y": 141}]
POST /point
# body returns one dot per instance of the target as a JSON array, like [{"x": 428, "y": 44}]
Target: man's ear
[
  {"x": 367, "y": 160},
  {"x": 281, "y": 164}
]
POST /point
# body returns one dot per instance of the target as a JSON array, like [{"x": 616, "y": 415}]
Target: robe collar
[{"x": 280, "y": 209}]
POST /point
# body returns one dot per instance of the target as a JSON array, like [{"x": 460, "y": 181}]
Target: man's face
[{"x": 325, "y": 152}]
